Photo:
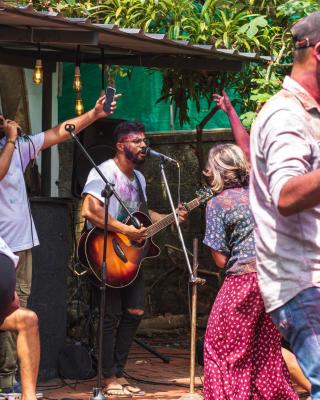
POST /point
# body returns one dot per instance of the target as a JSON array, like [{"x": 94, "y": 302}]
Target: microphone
[
  {"x": 20, "y": 133},
  {"x": 162, "y": 157}
]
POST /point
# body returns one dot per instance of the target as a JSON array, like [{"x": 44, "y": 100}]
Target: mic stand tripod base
[
  {"x": 97, "y": 394},
  {"x": 191, "y": 396}
]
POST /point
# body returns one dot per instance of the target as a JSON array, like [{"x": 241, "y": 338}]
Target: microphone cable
[{"x": 24, "y": 179}]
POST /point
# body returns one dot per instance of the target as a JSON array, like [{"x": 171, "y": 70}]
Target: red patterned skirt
[{"x": 242, "y": 349}]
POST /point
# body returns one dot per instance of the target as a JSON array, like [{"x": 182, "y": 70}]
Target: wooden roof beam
[
  {"x": 179, "y": 62},
  {"x": 48, "y": 36},
  {"x": 151, "y": 61},
  {"x": 23, "y": 61},
  {"x": 63, "y": 36}
]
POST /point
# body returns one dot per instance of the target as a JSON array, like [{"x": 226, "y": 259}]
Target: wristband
[{"x": 11, "y": 141}]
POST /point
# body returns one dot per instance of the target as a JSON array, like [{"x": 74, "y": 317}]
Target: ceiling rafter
[{"x": 22, "y": 28}]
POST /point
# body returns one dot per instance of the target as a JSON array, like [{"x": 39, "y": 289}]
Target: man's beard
[{"x": 133, "y": 157}]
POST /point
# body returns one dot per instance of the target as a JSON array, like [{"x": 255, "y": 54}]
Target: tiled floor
[{"x": 159, "y": 380}]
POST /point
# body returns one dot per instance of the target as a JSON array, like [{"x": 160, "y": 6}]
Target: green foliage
[
  {"x": 245, "y": 25},
  {"x": 297, "y": 8},
  {"x": 70, "y": 8},
  {"x": 247, "y": 118}
]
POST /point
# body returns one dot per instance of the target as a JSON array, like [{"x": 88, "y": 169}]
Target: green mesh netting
[{"x": 138, "y": 101}]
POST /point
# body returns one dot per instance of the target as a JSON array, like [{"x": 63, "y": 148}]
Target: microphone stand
[
  {"x": 106, "y": 193},
  {"x": 193, "y": 278}
]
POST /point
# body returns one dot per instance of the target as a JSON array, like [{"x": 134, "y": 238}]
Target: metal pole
[
  {"x": 193, "y": 316},
  {"x": 192, "y": 395},
  {"x": 192, "y": 278}
]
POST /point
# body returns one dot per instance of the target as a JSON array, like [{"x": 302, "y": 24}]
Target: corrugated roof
[{"x": 22, "y": 28}]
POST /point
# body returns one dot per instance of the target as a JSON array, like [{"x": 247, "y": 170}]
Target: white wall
[{"x": 35, "y": 113}]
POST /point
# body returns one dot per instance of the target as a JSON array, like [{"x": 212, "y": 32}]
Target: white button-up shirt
[{"x": 284, "y": 144}]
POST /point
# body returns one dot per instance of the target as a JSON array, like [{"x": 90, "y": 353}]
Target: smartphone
[{"x": 110, "y": 92}]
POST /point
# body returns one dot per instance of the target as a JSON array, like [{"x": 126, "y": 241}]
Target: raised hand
[
  {"x": 223, "y": 101},
  {"x": 98, "y": 109},
  {"x": 11, "y": 129}
]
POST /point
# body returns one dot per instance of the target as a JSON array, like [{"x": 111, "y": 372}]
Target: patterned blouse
[{"x": 229, "y": 229}]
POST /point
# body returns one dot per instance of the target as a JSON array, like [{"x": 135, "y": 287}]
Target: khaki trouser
[{"x": 8, "y": 350}]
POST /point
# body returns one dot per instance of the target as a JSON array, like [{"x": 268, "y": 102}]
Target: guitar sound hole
[{"x": 120, "y": 253}]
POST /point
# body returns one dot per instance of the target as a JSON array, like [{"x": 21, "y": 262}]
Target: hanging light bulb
[
  {"x": 77, "y": 84},
  {"x": 38, "y": 70},
  {"x": 79, "y": 105}
]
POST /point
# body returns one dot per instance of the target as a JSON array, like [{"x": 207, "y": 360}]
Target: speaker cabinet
[
  {"x": 48, "y": 298},
  {"x": 98, "y": 139}
]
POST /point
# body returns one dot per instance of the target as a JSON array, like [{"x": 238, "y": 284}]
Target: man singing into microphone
[
  {"x": 125, "y": 306},
  {"x": 16, "y": 223}
]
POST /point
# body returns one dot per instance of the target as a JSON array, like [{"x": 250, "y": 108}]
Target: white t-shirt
[
  {"x": 127, "y": 190},
  {"x": 4, "y": 249},
  {"x": 15, "y": 218}
]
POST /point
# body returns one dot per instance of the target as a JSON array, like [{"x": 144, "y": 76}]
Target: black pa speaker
[
  {"x": 98, "y": 139},
  {"x": 52, "y": 217}
]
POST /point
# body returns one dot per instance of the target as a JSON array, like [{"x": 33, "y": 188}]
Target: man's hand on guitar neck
[{"x": 182, "y": 213}]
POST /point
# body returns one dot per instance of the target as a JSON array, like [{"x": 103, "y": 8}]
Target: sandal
[
  {"x": 116, "y": 390},
  {"x": 135, "y": 391}
]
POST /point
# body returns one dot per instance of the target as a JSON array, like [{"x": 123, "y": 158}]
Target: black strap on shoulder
[{"x": 143, "y": 206}]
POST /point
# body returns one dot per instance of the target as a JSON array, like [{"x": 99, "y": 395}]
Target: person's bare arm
[
  {"x": 93, "y": 211},
  {"x": 11, "y": 132},
  {"x": 155, "y": 216},
  {"x": 240, "y": 134},
  {"x": 300, "y": 193},
  {"x": 58, "y": 133},
  {"x": 219, "y": 258}
]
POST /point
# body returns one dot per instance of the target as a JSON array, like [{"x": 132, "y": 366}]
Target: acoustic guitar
[{"x": 124, "y": 257}]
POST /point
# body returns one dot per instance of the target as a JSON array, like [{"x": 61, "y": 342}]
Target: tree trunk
[{"x": 199, "y": 147}]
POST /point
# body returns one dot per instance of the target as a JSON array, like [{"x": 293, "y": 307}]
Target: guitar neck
[{"x": 167, "y": 220}]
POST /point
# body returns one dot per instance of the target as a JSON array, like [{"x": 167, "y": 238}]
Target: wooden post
[
  {"x": 193, "y": 316},
  {"x": 46, "y": 124},
  {"x": 192, "y": 395}
]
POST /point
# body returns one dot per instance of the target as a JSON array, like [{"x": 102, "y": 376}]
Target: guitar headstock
[{"x": 204, "y": 194}]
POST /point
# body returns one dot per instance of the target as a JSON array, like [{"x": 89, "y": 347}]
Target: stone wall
[{"x": 167, "y": 275}]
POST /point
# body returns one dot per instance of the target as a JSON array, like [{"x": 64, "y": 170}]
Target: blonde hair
[{"x": 226, "y": 167}]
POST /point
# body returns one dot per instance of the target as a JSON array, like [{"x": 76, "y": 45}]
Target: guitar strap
[{"x": 143, "y": 206}]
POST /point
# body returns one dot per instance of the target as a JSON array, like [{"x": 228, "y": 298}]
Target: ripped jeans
[
  {"x": 299, "y": 323},
  {"x": 120, "y": 326}
]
